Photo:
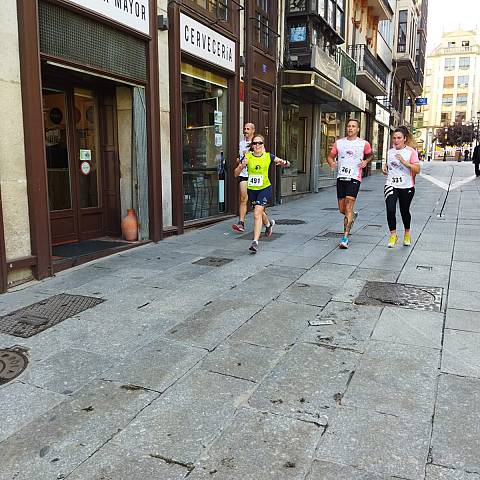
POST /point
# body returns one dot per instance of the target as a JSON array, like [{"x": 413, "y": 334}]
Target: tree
[{"x": 455, "y": 135}]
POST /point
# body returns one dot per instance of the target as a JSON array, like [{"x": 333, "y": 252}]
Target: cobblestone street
[{"x": 284, "y": 365}]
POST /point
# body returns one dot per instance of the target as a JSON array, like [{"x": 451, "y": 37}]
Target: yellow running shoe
[
  {"x": 407, "y": 241},
  {"x": 392, "y": 241}
]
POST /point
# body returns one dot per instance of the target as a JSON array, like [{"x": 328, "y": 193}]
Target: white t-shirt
[
  {"x": 350, "y": 154},
  {"x": 242, "y": 150},
  {"x": 398, "y": 175}
]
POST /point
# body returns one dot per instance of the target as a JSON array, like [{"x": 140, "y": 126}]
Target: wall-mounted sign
[
  {"x": 421, "y": 101},
  {"x": 203, "y": 42},
  {"x": 85, "y": 168},
  {"x": 85, "y": 155},
  {"x": 129, "y": 13},
  {"x": 382, "y": 115}
]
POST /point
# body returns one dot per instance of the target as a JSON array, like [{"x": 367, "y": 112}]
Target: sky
[{"x": 449, "y": 15}]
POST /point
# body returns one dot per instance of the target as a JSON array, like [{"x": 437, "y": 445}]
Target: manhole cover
[
  {"x": 213, "y": 261},
  {"x": 401, "y": 295},
  {"x": 263, "y": 238},
  {"x": 289, "y": 221},
  {"x": 12, "y": 364},
  {"x": 35, "y": 318},
  {"x": 329, "y": 235}
]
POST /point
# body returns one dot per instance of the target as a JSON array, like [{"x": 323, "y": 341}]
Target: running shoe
[
  {"x": 392, "y": 241},
  {"x": 344, "y": 242},
  {"x": 238, "y": 227},
  {"x": 253, "y": 247},
  {"x": 407, "y": 240},
  {"x": 269, "y": 230}
]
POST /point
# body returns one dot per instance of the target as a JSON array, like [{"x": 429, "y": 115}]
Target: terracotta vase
[{"x": 130, "y": 226}]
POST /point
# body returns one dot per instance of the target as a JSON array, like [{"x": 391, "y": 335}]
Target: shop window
[
  {"x": 450, "y": 64},
  {"x": 448, "y": 82},
  {"x": 464, "y": 63},
  {"x": 402, "y": 31},
  {"x": 460, "y": 117},
  {"x": 294, "y": 139},
  {"x": 205, "y": 141}
]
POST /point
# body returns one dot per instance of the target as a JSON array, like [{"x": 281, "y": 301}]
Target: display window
[{"x": 205, "y": 142}]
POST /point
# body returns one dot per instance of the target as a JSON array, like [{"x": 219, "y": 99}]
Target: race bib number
[
  {"x": 345, "y": 171},
  {"x": 397, "y": 180},
  {"x": 255, "y": 180}
]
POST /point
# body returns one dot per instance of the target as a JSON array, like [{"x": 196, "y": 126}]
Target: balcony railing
[
  {"x": 366, "y": 62},
  {"x": 347, "y": 65}
]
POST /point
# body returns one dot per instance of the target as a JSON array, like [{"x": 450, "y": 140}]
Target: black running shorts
[{"x": 347, "y": 188}]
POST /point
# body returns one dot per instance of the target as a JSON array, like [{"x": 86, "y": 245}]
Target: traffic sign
[{"x": 421, "y": 101}]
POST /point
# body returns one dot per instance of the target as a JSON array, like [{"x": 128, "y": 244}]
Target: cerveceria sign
[
  {"x": 129, "y": 13},
  {"x": 203, "y": 42}
]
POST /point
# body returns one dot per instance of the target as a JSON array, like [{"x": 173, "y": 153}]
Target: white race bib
[
  {"x": 255, "y": 180},
  {"x": 345, "y": 171},
  {"x": 396, "y": 181}
]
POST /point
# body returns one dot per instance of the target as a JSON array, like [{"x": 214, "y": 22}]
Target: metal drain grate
[
  {"x": 289, "y": 221},
  {"x": 12, "y": 363},
  {"x": 401, "y": 295},
  {"x": 38, "y": 317},
  {"x": 213, "y": 261}
]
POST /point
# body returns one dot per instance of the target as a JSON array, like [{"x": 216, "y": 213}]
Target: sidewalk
[{"x": 197, "y": 371}]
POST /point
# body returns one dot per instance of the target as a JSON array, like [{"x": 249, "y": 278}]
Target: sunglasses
[{"x": 257, "y": 143}]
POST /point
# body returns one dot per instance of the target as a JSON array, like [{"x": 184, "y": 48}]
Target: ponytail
[{"x": 409, "y": 140}]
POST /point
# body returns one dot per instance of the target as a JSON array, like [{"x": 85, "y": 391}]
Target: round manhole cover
[
  {"x": 401, "y": 296},
  {"x": 289, "y": 221},
  {"x": 12, "y": 364}
]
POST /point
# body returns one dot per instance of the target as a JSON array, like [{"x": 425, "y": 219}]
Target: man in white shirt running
[
  {"x": 244, "y": 147},
  {"x": 352, "y": 154}
]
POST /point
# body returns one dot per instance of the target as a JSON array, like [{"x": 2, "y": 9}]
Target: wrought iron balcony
[{"x": 372, "y": 75}]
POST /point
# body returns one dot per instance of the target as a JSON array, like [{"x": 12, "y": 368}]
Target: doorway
[{"x": 82, "y": 162}]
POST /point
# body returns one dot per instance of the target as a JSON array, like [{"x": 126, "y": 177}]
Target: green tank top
[{"x": 258, "y": 171}]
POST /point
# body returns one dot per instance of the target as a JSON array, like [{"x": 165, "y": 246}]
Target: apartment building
[{"x": 452, "y": 83}]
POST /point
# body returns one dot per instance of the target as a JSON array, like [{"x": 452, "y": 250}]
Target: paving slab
[
  {"x": 349, "y": 290},
  {"x": 354, "y": 255},
  {"x": 425, "y": 275},
  {"x": 278, "y": 325},
  {"x": 435, "y": 472},
  {"x": 385, "y": 444},
  {"x": 465, "y": 266},
  {"x": 463, "y": 300},
  {"x": 328, "y": 274},
  {"x": 287, "y": 449},
  {"x": 461, "y": 353},
  {"x": 295, "y": 261},
  {"x": 242, "y": 360},
  {"x": 212, "y": 324},
  {"x": 307, "y": 383},
  {"x": 157, "y": 365},
  {"x": 466, "y": 256},
  {"x": 348, "y": 326},
  {"x": 300, "y": 292},
  {"x": 186, "y": 419},
  {"x": 470, "y": 282},
  {"x": 395, "y": 379},
  {"x": 375, "y": 274},
  {"x": 463, "y": 320},
  {"x": 67, "y": 371},
  {"x": 382, "y": 257},
  {"x": 411, "y": 327},
  {"x": 21, "y": 403},
  {"x": 456, "y": 430},
  {"x": 54, "y": 444},
  {"x": 334, "y": 471}
]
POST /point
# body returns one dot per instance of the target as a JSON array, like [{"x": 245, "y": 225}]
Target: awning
[{"x": 310, "y": 86}]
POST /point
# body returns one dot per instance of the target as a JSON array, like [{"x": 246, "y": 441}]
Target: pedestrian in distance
[
  {"x": 466, "y": 154},
  {"x": 248, "y": 132},
  {"x": 259, "y": 187},
  {"x": 352, "y": 155},
  {"x": 476, "y": 159},
  {"x": 401, "y": 167}
]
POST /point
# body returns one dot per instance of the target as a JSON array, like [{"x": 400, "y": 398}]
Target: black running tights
[{"x": 405, "y": 197}]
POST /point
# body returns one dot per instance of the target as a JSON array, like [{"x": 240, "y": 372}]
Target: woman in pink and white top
[{"x": 401, "y": 167}]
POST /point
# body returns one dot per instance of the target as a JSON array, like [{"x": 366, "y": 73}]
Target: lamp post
[
  {"x": 445, "y": 141},
  {"x": 477, "y": 138}
]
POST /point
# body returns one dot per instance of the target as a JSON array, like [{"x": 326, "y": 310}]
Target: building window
[
  {"x": 331, "y": 13},
  {"x": 464, "y": 63},
  {"x": 385, "y": 30},
  {"x": 462, "y": 99},
  {"x": 462, "y": 81},
  {"x": 460, "y": 117},
  {"x": 451, "y": 44},
  {"x": 447, "y": 100},
  {"x": 445, "y": 119},
  {"x": 450, "y": 64},
  {"x": 297, "y": 6},
  {"x": 448, "y": 82},
  {"x": 402, "y": 31},
  {"x": 321, "y": 8},
  {"x": 218, "y": 8},
  {"x": 298, "y": 33},
  {"x": 465, "y": 43}
]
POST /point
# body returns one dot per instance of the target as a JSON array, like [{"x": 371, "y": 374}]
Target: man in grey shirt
[{"x": 248, "y": 132}]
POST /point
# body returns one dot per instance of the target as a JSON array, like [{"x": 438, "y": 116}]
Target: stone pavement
[{"x": 203, "y": 372}]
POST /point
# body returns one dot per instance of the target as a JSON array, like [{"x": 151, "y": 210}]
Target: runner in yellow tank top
[{"x": 259, "y": 186}]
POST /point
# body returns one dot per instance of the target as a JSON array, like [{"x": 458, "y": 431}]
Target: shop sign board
[
  {"x": 133, "y": 14},
  {"x": 382, "y": 115},
  {"x": 203, "y": 42}
]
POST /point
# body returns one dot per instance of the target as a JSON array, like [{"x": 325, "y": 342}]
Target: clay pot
[{"x": 130, "y": 226}]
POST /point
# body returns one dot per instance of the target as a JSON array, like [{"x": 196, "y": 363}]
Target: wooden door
[{"x": 261, "y": 113}]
